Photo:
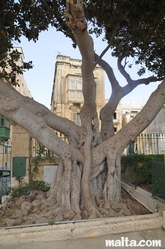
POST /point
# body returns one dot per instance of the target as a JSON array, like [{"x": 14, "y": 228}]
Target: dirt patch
[
  {"x": 147, "y": 187},
  {"x": 34, "y": 209},
  {"x": 133, "y": 205}
]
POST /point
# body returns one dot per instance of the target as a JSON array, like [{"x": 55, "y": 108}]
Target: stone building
[
  {"x": 22, "y": 142},
  {"x": 16, "y": 146},
  {"x": 129, "y": 111},
  {"x": 124, "y": 113},
  {"x": 67, "y": 97},
  {"x": 152, "y": 139}
]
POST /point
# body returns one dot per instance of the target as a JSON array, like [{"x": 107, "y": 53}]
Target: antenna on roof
[{"x": 58, "y": 52}]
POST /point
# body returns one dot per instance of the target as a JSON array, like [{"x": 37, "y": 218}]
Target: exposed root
[{"x": 68, "y": 214}]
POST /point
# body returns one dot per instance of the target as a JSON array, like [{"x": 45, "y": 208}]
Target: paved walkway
[{"x": 96, "y": 242}]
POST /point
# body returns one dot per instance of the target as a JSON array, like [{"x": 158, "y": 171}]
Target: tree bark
[{"x": 87, "y": 180}]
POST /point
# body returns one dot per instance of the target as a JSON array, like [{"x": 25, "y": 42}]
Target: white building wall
[{"x": 158, "y": 123}]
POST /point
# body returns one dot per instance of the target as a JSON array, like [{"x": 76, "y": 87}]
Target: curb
[{"x": 83, "y": 229}]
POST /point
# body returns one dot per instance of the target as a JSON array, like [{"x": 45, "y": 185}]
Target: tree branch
[
  {"x": 109, "y": 45},
  {"x": 116, "y": 88},
  {"x": 132, "y": 84},
  {"x": 63, "y": 125},
  {"x": 17, "y": 108},
  {"x": 75, "y": 19},
  {"x": 106, "y": 113},
  {"x": 131, "y": 130}
]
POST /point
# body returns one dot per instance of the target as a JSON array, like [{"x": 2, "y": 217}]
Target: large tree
[{"x": 87, "y": 181}]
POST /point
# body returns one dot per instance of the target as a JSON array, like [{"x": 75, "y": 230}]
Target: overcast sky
[{"x": 43, "y": 54}]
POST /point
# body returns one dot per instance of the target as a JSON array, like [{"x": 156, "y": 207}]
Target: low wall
[{"x": 80, "y": 229}]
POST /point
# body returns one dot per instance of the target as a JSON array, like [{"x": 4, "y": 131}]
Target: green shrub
[
  {"x": 24, "y": 189},
  {"x": 139, "y": 165}
]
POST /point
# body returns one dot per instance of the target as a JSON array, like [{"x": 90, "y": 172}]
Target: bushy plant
[
  {"x": 24, "y": 189},
  {"x": 141, "y": 165}
]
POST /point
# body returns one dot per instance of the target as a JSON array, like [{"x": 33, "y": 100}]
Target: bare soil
[
  {"x": 34, "y": 209},
  {"x": 147, "y": 187}
]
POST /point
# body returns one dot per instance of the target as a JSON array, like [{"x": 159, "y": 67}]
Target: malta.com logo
[{"x": 125, "y": 242}]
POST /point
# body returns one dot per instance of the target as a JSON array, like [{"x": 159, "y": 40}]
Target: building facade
[
  {"x": 21, "y": 141},
  {"x": 124, "y": 113},
  {"x": 67, "y": 98},
  {"x": 16, "y": 147}
]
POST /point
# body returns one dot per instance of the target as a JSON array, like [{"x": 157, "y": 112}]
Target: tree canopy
[
  {"x": 137, "y": 28},
  {"x": 140, "y": 31}
]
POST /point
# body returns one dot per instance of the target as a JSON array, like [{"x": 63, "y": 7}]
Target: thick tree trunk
[
  {"x": 87, "y": 181},
  {"x": 97, "y": 180}
]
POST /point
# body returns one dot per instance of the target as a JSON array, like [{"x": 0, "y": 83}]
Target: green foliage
[
  {"x": 141, "y": 165},
  {"x": 37, "y": 159},
  {"x": 25, "y": 18},
  {"x": 26, "y": 188},
  {"x": 19, "y": 179},
  {"x": 145, "y": 173},
  {"x": 41, "y": 156},
  {"x": 158, "y": 180},
  {"x": 120, "y": 200},
  {"x": 140, "y": 34},
  {"x": 51, "y": 222},
  {"x": 10, "y": 31}
]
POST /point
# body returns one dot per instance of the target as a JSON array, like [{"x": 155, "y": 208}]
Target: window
[
  {"x": 134, "y": 112},
  {"x": 72, "y": 85},
  {"x": 115, "y": 115},
  {"x": 79, "y": 84},
  {"x": 76, "y": 118},
  {"x": 75, "y": 83}
]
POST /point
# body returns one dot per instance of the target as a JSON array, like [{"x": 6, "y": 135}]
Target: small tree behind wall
[{"x": 87, "y": 181}]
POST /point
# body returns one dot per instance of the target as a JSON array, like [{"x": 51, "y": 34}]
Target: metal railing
[
  {"x": 129, "y": 169},
  {"x": 141, "y": 169},
  {"x": 158, "y": 180},
  {"x": 147, "y": 144}
]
